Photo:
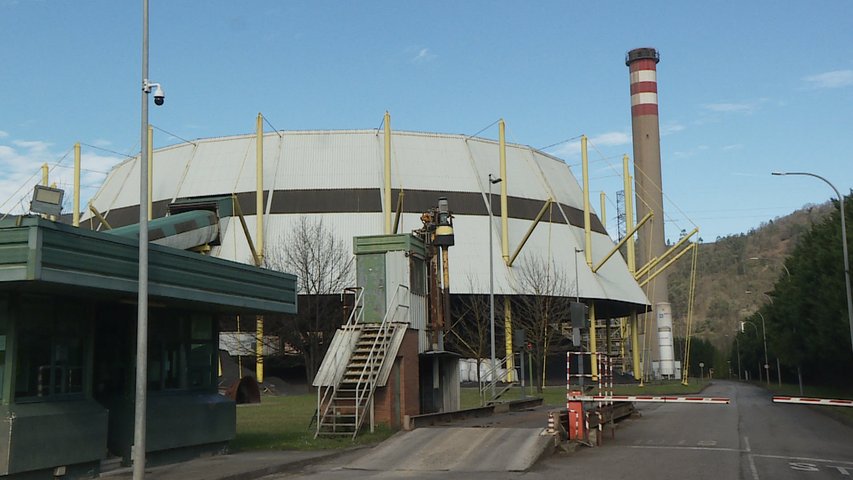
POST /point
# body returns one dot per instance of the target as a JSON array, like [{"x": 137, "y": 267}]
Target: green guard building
[{"x": 67, "y": 347}]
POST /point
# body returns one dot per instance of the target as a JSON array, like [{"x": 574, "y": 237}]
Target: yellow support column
[
  {"x": 75, "y": 216},
  {"x": 504, "y": 211},
  {"x": 593, "y": 344},
  {"x": 259, "y": 218},
  {"x": 587, "y": 221},
  {"x": 510, "y": 359},
  {"x": 633, "y": 324},
  {"x": 386, "y": 197},
  {"x": 44, "y": 175},
  {"x": 603, "y": 212}
]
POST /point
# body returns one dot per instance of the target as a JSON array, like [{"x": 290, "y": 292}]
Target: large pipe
[
  {"x": 75, "y": 217},
  {"x": 642, "y": 64},
  {"x": 386, "y": 197},
  {"x": 504, "y": 211}
]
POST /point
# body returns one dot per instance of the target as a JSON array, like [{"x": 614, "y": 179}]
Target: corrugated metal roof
[{"x": 345, "y": 160}]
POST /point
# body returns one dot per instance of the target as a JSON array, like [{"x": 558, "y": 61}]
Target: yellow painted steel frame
[
  {"x": 44, "y": 175},
  {"x": 622, "y": 242},
  {"x": 259, "y": 219},
  {"x": 504, "y": 212},
  {"x": 259, "y": 188},
  {"x": 646, "y": 268},
  {"x": 239, "y": 212},
  {"x": 386, "y": 197},
  {"x": 685, "y": 366},
  {"x": 603, "y": 217},
  {"x": 593, "y": 343},
  {"x": 75, "y": 216},
  {"x": 587, "y": 222},
  {"x": 667, "y": 264},
  {"x": 100, "y": 217},
  {"x": 629, "y": 213},
  {"x": 536, "y": 221},
  {"x": 150, "y": 161},
  {"x": 510, "y": 359},
  {"x": 635, "y": 346},
  {"x": 398, "y": 216}
]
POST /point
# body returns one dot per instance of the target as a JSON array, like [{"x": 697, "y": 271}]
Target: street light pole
[
  {"x": 764, "y": 334},
  {"x": 843, "y": 246},
  {"x": 492, "y": 181},
  {"x": 142, "y": 300}
]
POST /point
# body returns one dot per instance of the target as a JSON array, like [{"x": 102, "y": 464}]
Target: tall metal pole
[
  {"x": 492, "y": 181},
  {"x": 843, "y": 246},
  {"x": 142, "y": 302},
  {"x": 764, "y": 334}
]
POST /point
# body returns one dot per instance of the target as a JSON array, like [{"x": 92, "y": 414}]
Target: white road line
[
  {"x": 807, "y": 459},
  {"x": 752, "y": 467},
  {"x": 676, "y": 447}
]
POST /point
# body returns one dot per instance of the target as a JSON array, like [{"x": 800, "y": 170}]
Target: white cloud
[
  {"x": 833, "y": 79},
  {"x": 671, "y": 128},
  {"x": 736, "y": 146},
  {"x": 423, "y": 56},
  {"x": 3, "y": 134},
  {"x": 20, "y": 170},
  {"x": 745, "y": 107}
]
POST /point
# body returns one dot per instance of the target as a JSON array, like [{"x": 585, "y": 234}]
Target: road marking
[
  {"x": 805, "y": 459},
  {"x": 746, "y": 442},
  {"x": 752, "y": 467},
  {"x": 706, "y": 443},
  {"x": 676, "y": 447}
]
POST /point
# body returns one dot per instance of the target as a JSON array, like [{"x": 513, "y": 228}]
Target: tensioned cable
[
  {"x": 27, "y": 182},
  {"x": 559, "y": 143},
  {"x": 107, "y": 150},
  {"x": 155, "y": 127},
  {"x": 277, "y": 131},
  {"x": 483, "y": 129}
]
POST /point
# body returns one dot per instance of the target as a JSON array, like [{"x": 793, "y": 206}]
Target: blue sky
[{"x": 745, "y": 88}]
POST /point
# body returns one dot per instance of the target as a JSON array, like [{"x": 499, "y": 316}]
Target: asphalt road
[{"x": 751, "y": 439}]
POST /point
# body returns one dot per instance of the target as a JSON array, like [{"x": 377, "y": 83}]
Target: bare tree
[
  {"x": 324, "y": 268},
  {"x": 469, "y": 330},
  {"x": 541, "y": 306}
]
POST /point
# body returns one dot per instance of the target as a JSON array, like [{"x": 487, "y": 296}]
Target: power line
[{"x": 172, "y": 134}]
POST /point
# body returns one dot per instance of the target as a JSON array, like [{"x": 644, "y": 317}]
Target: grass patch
[
  {"x": 554, "y": 395},
  {"x": 281, "y": 423}
]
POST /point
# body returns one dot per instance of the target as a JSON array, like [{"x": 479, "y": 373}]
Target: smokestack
[{"x": 651, "y": 243}]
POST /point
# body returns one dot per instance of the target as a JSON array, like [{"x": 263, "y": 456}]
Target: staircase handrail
[
  {"x": 325, "y": 394},
  {"x": 380, "y": 340},
  {"x": 357, "y": 313},
  {"x": 491, "y": 371}
]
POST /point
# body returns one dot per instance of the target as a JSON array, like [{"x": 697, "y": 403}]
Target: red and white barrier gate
[
  {"x": 650, "y": 398},
  {"x": 835, "y": 402}
]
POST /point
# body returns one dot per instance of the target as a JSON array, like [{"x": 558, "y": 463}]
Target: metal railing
[
  {"x": 366, "y": 385},
  {"x": 325, "y": 395}
]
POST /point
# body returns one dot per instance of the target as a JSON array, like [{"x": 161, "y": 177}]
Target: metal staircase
[{"x": 343, "y": 408}]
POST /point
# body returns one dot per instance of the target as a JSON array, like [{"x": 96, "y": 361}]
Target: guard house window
[
  {"x": 180, "y": 352},
  {"x": 50, "y": 351}
]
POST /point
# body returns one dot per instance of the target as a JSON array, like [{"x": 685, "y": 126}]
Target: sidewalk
[{"x": 238, "y": 466}]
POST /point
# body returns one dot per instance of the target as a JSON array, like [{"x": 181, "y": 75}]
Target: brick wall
[{"x": 400, "y": 395}]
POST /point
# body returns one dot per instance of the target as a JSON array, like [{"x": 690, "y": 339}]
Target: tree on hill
[{"x": 807, "y": 324}]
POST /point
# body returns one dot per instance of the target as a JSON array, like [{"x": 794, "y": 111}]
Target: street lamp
[
  {"x": 788, "y": 272},
  {"x": 142, "y": 299},
  {"x": 492, "y": 181},
  {"x": 843, "y": 246},
  {"x": 764, "y": 335}
]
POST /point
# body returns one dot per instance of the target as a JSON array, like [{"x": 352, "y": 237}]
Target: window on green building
[
  {"x": 50, "y": 350},
  {"x": 180, "y": 351}
]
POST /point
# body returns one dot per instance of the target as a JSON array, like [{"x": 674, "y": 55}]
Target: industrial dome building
[{"x": 339, "y": 177}]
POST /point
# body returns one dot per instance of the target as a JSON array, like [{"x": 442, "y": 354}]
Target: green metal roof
[
  {"x": 388, "y": 243},
  {"x": 37, "y": 253}
]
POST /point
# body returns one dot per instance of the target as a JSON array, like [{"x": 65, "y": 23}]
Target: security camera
[{"x": 159, "y": 96}]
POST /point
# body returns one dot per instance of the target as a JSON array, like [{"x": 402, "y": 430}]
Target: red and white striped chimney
[{"x": 651, "y": 242}]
